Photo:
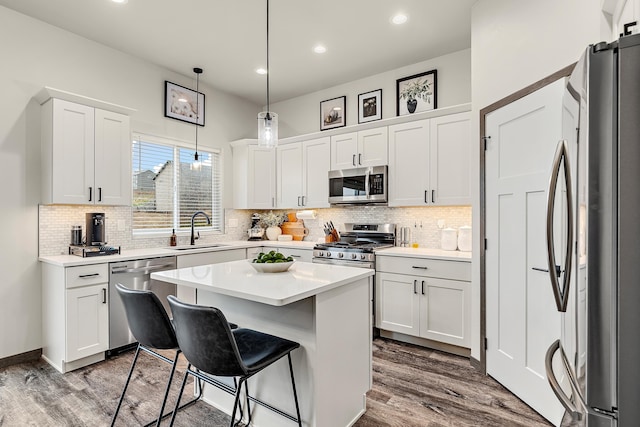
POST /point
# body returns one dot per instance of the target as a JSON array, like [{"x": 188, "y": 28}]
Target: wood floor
[{"x": 412, "y": 386}]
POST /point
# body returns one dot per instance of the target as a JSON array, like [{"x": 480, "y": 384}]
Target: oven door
[
  {"x": 347, "y": 263},
  {"x": 360, "y": 185}
]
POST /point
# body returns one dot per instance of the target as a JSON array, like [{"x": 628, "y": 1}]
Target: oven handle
[{"x": 358, "y": 264}]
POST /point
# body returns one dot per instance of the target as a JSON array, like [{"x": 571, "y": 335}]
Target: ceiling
[{"x": 227, "y": 38}]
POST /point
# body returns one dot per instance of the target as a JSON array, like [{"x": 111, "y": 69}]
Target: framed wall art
[
  {"x": 181, "y": 103},
  {"x": 417, "y": 93},
  {"x": 332, "y": 113},
  {"x": 370, "y": 106}
]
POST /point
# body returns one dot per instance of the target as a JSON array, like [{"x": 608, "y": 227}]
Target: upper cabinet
[
  {"x": 359, "y": 149},
  {"x": 429, "y": 162},
  {"x": 86, "y": 155},
  {"x": 254, "y": 176},
  {"x": 301, "y": 174},
  {"x": 625, "y": 16}
]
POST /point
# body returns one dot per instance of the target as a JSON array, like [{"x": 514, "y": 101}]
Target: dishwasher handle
[{"x": 144, "y": 270}]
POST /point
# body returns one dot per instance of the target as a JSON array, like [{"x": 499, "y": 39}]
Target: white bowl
[{"x": 274, "y": 267}]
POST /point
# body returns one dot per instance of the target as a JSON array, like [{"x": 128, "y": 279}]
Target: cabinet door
[
  {"x": 72, "y": 153},
  {"x": 450, "y": 160},
  {"x": 262, "y": 176},
  {"x": 344, "y": 151},
  {"x": 315, "y": 182},
  {"x": 87, "y": 319},
  {"x": 445, "y": 310},
  {"x": 397, "y": 303},
  {"x": 409, "y": 164},
  {"x": 112, "y": 158},
  {"x": 289, "y": 179},
  {"x": 373, "y": 147}
]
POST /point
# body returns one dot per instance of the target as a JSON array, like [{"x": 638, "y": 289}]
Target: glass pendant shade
[{"x": 267, "y": 129}]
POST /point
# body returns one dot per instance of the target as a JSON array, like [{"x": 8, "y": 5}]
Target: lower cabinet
[
  {"x": 411, "y": 301},
  {"x": 75, "y": 311}
]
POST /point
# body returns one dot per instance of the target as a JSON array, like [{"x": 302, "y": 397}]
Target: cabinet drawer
[
  {"x": 85, "y": 275},
  {"x": 456, "y": 270},
  {"x": 297, "y": 254}
]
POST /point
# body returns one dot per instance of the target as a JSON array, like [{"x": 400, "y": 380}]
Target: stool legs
[
  {"x": 126, "y": 384},
  {"x": 295, "y": 394}
]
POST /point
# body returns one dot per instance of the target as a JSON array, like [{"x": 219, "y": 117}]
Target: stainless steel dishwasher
[{"x": 134, "y": 275}]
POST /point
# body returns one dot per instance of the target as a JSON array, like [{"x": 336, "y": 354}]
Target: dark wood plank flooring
[{"x": 412, "y": 386}]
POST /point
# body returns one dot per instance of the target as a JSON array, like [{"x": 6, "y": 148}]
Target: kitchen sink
[{"x": 203, "y": 246}]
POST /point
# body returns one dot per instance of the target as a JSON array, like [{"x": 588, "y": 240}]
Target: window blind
[{"x": 168, "y": 190}]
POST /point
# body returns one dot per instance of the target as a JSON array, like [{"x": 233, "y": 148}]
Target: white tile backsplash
[{"x": 56, "y": 221}]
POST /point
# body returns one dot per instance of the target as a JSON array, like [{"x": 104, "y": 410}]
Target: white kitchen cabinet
[
  {"x": 254, "y": 176},
  {"x": 296, "y": 253},
  {"x": 360, "y": 149},
  {"x": 86, "y": 155},
  {"x": 75, "y": 315},
  {"x": 424, "y": 298},
  {"x": 429, "y": 162},
  {"x": 623, "y": 12},
  {"x": 302, "y": 170}
]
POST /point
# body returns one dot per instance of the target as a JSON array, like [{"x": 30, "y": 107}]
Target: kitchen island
[{"x": 327, "y": 309}]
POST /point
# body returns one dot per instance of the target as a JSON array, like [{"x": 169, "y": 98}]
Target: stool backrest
[
  {"x": 205, "y": 339},
  {"x": 148, "y": 320}
]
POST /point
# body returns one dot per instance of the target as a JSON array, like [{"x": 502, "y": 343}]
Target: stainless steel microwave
[{"x": 360, "y": 185}]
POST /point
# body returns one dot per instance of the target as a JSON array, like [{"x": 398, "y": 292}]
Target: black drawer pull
[
  {"x": 88, "y": 276},
  {"x": 419, "y": 267}
]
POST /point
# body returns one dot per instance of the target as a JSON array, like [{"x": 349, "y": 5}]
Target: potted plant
[
  {"x": 416, "y": 90},
  {"x": 272, "y": 221}
]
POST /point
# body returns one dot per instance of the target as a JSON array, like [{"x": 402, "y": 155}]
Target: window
[{"x": 167, "y": 191}]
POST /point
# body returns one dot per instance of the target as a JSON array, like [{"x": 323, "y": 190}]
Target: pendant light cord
[
  {"x": 268, "y": 106},
  {"x": 198, "y": 71}
]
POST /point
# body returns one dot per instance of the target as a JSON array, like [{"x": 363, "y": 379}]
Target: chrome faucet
[{"x": 193, "y": 236}]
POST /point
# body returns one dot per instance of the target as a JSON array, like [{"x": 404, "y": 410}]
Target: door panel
[{"x": 522, "y": 320}]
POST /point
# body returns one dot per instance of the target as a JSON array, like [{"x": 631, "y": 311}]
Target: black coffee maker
[{"x": 95, "y": 229}]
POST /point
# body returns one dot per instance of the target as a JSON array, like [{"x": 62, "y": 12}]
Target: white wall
[
  {"x": 515, "y": 44},
  {"x": 35, "y": 55},
  {"x": 301, "y": 115}
]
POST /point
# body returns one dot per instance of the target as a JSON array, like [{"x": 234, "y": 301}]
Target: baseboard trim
[
  {"x": 424, "y": 342},
  {"x": 29, "y": 356},
  {"x": 475, "y": 363}
]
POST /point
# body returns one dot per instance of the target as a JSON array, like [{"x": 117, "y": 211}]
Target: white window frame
[{"x": 176, "y": 144}]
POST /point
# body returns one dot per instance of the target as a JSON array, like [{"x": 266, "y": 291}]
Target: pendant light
[
  {"x": 196, "y": 165},
  {"x": 267, "y": 120}
]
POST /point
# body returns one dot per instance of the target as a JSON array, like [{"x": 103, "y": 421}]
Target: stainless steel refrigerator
[{"x": 593, "y": 239}]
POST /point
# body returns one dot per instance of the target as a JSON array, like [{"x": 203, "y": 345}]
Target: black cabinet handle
[
  {"x": 90, "y": 193},
  {"x": 425, "y": 196},
  {"x": 415, "y": 284},
  {"x": 433, "y": 196},
  {"x": 359, "y": 159},
  {"x": 87, "y": 276},
  {"x": 99, "y": 194},
  {"x": 104, "y": 295},
  {"x": 353, "y": 160},
  {"x": 419, "y": 267},
  {"x": 423, "y": 287}
]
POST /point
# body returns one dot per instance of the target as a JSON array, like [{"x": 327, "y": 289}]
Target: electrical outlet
[
  {"x": 233, "y": 222},
  {"x": 441, "y": 223}
]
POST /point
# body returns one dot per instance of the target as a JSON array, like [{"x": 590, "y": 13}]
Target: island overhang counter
[{"x": 326, "y": 308}]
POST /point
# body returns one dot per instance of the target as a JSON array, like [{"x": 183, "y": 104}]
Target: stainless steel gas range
[{"x": 357, "y": 245}]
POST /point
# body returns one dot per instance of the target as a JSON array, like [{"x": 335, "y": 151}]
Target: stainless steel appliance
[
  {"x": 592, "y": 239},
  {"x": 357, "y": 245},
  {"x": 360, "y": 185},
  {"x": 95, "y": 229},
  {"x": 134, "y": 275}
]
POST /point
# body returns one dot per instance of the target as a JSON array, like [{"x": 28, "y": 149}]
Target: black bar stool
[
  {"x": 210, "y": 346},
  {"x": 151, "y": 327}
]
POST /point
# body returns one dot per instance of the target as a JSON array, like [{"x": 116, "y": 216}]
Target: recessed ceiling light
[
  {"x": 261, "y": 71},
  {"x": 120, "y": 1},
  {"x": 399, "y": 19},
  {"x": 319, "y": 49}
]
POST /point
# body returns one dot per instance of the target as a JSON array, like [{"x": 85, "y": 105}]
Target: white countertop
[
  {"x": 239, "y": 279},
  {"x": 425, "y": 253},
  {"x": 129, "y": 254}
]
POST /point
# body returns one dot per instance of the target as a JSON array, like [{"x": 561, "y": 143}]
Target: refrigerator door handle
[
  {"x": 560, "y": 290},
  {"x": 566, "y": 401}
]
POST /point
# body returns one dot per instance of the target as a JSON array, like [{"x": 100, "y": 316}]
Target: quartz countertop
[
  {"x": 425, "y": 253},
  {"x": 130, "y": 254},
  {"x": 239, "y": 279}
]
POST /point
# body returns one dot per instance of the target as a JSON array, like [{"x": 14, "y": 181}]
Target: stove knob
[
  {"x": 354, "y": 256},
  {"x": 328, "y": 254},
  {"x": 320, "y": 254},
  {"x": 363, "y": 256},
  {"x": 340, "y": 255}
]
